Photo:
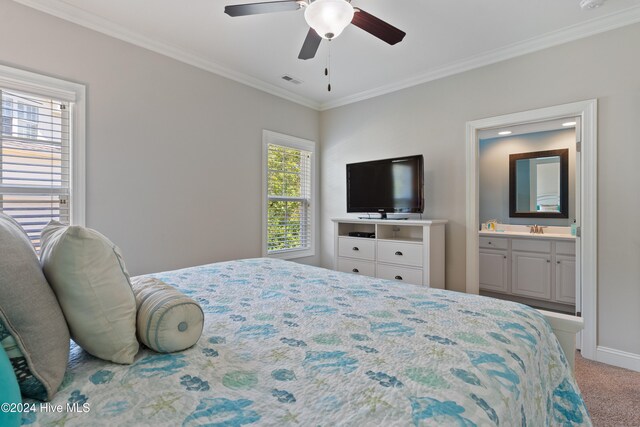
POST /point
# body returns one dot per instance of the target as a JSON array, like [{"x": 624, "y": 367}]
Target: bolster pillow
[{"x": 167, "y": 319}]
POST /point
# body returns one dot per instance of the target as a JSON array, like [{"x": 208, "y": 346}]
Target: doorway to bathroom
[
  {"x": 527, "y": 180},
  {"x": 531, "y": 211}
]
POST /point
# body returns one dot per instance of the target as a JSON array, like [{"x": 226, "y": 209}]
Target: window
[
  {"x": 27, "y": 112},
  {"x": 7, "y": 116},
  {"x": 41, "y": 151},
  {"x": 289, "y": 195},
  {"x": 27, "y": 129}
]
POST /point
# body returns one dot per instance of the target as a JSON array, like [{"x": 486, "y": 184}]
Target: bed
[{"x": 289, "y": 344}]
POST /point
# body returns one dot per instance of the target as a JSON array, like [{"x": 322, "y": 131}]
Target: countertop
[{"x": 527, "y": 235}]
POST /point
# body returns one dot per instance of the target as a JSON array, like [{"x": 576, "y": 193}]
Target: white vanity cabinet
[
  {"x": 494, "y": 264},
  {"x": 566, "y": 279},
  {"x": 531, "y": 270},
  {"x": 531, "y": 274},
  {"x": 410, "y": 251},
  {"x": 565, "y": 266}
]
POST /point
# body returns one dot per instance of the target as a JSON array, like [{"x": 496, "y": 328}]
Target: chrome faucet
[{"x": 536, "y": 229}]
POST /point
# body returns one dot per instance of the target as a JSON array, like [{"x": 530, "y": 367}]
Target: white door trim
[{"x": 587, "y": 111}]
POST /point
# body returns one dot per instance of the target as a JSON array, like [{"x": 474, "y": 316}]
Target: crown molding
[
  {"x": 80, "y": 17},
  {"x": 594, "y": 26}
]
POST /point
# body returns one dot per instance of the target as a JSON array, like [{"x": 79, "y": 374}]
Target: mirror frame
[{"x": 564, "y": 184}]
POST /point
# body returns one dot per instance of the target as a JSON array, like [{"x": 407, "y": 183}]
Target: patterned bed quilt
[{"x": 289, "y": 344}]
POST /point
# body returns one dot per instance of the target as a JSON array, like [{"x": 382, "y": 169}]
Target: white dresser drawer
[
  {"x": 566, "y": 248},
  {"x": 493, "y": 242},
  {"x": 531, "y": 245},
  {"x": 401, "y": 274},
  {"x": 400, "y": 253},
  {"x": 355, "y": 247},
  {"x": 348, "y": 265}
]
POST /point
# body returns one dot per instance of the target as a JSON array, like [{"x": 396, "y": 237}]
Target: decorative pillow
[
  {"x": 9, "y": 392},
  {"x": 168, "y": 320},
  {"x": 88, "y": 275},
  {"x": 33, "y": 330}
]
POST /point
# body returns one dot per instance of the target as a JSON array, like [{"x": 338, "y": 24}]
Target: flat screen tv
[{"x": 389, "y": 185}]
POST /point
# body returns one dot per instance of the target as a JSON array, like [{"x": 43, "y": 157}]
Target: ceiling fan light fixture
[
  {"x": 591, "y": 4},
  {"x": 329, "y": 17}
]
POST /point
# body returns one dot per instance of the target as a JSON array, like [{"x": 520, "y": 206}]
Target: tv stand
[{"x": 405, "y": 250}]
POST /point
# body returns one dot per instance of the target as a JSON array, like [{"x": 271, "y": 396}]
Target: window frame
[
  {"x": 75, "y": 94},
  {"x": 270, "y": 137}
]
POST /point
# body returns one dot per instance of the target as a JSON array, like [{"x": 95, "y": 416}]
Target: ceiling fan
[{"x": 327, "y": 19}]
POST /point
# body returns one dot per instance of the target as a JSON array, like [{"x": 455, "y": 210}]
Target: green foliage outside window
[{"x": 288, "y": 176}]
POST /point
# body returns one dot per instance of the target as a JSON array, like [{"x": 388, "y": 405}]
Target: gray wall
[
  {"x": 173, "y": 152},
  {"x": 430, "y": 119},
  {"x": 494, "y": 173}
]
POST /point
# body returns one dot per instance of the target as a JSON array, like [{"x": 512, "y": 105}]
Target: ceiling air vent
[{"x": 291, "y": 79}]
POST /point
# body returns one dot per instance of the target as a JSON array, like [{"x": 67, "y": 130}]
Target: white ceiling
[
  {"x": 527, "y": 128},
  {"x": 443, "y": 37}
]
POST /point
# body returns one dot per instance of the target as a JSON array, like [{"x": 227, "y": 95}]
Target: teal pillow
[
  {"x": 9, "y": 392},
  {"x": 29, "y": 385}
]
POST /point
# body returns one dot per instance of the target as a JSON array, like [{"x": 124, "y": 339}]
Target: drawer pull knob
[
  {"x": 355, "y": 248},
  {"x": 504, "y": 256},
  {"x": 548, "y": 260},
  {"x": 398, "y": 277},
  {"x": 398, "y": 253},
  {"x": 557, "y": 262},
  {"x": 489, "y": 242},
  {"x": 355, "y": 270}
]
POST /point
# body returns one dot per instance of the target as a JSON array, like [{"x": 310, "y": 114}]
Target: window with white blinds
[
  {"x": 34, "y": 160},
  {"x": 289, "y": 214}
]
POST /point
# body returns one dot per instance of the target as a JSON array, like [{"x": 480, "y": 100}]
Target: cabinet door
[
  {"x": 566, "y": 279},
  {"x": 531, "y": 274},
  {"x": 493, "y": 271}
]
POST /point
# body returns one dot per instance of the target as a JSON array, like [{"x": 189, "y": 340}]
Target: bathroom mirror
[{"x": 539, "y": 184}]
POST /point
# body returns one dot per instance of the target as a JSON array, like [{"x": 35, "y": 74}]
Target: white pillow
[
  {"x": 168, "y": 320},
  {"x": 88, "y": 275}
]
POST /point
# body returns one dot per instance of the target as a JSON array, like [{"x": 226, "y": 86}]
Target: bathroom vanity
[{"x": 534, "y": 269}]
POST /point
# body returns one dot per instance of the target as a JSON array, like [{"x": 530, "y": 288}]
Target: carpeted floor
[{"x": 612, "y": 394}]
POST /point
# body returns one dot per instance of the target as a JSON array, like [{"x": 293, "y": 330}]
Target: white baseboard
[{"x": 618, "y": 358}]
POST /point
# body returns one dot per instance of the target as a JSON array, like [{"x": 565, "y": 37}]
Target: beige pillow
[
  {"x": 88, "y": 275},
  {"x": 32, "y": 328},
  {"x": 168, "y": 320}
]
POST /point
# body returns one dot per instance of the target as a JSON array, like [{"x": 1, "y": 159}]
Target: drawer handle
[
  {"x": 489, "y": 243},
  {"x": 398, "y": 253},
  {"x": 557, "y": 262},
  {"x": 398, "y": 277},
  {"x": 355, "y": 270},
  {"x": 504, "y": 256},
  {"x": 548, "y": 260},
  {"x": 355, "y": 248}
]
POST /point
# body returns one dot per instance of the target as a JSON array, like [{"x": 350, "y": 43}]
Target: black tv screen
[{"x": 389, "y": 185}]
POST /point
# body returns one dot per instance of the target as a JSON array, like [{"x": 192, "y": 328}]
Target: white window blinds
[
  {"x": 289, "y": 199},
  {"x": 34, "y": 160}
]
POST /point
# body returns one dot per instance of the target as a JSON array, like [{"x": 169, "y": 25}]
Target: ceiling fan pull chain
[{"x": 326, "y": 70}]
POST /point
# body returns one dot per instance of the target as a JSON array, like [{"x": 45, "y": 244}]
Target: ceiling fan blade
[
  {"x": 377, "y": 27},
  {"x": 310, "y": 45},
  {"x": 264, "y": 7}
]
